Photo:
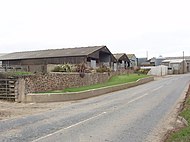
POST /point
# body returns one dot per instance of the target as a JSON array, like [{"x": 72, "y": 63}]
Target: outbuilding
[
  {"x": 133, "y": 60},
  {"x": 38, "y": 61},
  {"x": 123, "y": 61},
  {"x": 178, "y": 66}
]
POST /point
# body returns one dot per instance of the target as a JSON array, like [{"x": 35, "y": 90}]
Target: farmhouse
[
  {"x": 122, "y": 60},
  {"x": 38, "y": 61}
]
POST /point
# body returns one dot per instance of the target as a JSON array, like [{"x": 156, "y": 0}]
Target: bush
[
  {"x": 102, "y": 69},
  {"x": 81, "y": 67},
  {"x": 66, "y": 68},
  {"x": 142, "y": 71},
  {"x": 63, "y": 68},
  {"x": 57, "y": 69}
]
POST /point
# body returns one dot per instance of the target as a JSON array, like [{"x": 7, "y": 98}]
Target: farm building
[
  {"x": 142, "y": 62},
  {"x": 160, "y": 70},
  {"x": 186, "y": 58},
  {"x": 133, "y": 60},
  {"x": 122, "y": 60},
  {"x": 177, "y": 66},
  {"x": 151, "y": 62},
  {"x": 1, "y": 68},
  {"x": 1, "y": 54},
  {"x": 39, "y": 61}
]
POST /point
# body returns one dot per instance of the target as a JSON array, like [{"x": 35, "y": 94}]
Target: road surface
[{"x": 129, "y": 115}]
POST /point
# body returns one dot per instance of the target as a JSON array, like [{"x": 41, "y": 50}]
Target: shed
[
  {"x": 1, "y": 68},
  {"x": 178, "y": 66},
  {"x": 142, "y": 62},
  {"x": 37, "y": 61},
  {"x": 186, "y": 58},
  {"x": 1, "y": 54},
  {"x": 122, "y": 60},
  {"x": 133, "y": 60}
]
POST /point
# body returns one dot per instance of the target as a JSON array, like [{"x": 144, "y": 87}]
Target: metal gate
[{"x": 7, "y": 89}]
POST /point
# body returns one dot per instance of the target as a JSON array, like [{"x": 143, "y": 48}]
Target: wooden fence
[{"x": 7, "y": 89}]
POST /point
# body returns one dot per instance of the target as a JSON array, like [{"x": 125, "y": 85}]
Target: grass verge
[
  {"x": 183, "y": 135},
  {"x": 115, "y": 80}
]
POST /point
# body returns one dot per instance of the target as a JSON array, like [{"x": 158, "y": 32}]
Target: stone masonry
[{"x": 60, "y": 81}]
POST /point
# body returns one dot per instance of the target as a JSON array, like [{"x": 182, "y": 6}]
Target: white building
[
  {"x": 177, "y": 66},
  {"x": 157, "y": 70}
]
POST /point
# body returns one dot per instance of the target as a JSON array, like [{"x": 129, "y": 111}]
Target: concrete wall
[
  {"x": 39, "y": 98},
  {"x": 158, "y": 70}
]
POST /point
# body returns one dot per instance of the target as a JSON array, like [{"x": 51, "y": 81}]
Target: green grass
[
  {"x": 14, "y": 74},
  {"x": 19, "y": 73},
  {"x": 115, "y": 80},
  {"x": 183, "y": 135}
]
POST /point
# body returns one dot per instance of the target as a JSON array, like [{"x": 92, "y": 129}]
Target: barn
[
  {"x": 38, "y": 61},
  {"x": 122, "y": 60}
]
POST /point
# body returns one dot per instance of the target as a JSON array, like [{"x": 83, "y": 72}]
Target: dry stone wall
[{"x": 59, "y": 81}]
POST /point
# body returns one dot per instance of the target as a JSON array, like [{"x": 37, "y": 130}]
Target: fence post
[{"x": 21, "y": 90}]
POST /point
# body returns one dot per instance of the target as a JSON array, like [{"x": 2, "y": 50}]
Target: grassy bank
[
  {"x": 183, "y": 135},
  {"x": 115, "y": 80}
]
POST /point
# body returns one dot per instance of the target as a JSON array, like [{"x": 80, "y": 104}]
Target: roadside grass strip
[
  {"x": 183, "y": 135},
  {"x": 115, "y": 80}
]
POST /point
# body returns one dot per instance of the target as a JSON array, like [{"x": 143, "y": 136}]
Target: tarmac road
[{"x": 129, "y": 115}]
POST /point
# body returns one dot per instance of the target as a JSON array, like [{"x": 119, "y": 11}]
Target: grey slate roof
[
  {"x": 65, "y": 52},
  {"x": 118, "y": 55},
  {"x": 2, "y": 54},
  {"x": 130, "y": 55}
]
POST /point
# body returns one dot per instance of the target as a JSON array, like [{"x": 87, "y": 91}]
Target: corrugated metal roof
[
  {"x": 78, "y": 51},
  {"x": 173, "y": 61},
  {"x": 165, "y": 61},
  {"x": 180, "y": 57},
  {"x": 176, "y": 61}
]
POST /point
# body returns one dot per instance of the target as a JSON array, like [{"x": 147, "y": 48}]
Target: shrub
[
  {"x": 63, "y": 68},
  {"x": 81, "y": 67},
  {"x": 142, "y": 71},
  {"x": 102, "y": 69},
  {"x": 57, "y": 69},
  {"x": 66, "y": 68}
]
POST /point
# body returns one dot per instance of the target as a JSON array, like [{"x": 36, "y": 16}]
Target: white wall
[{"x": 158, "y": 70}]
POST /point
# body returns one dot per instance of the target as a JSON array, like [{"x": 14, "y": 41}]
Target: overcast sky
[{"x": 161, "y": 27}]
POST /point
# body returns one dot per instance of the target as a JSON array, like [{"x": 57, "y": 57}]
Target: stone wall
[
  {"x": 42, "y": 98},
  {"x": 60, "y": 81}
]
